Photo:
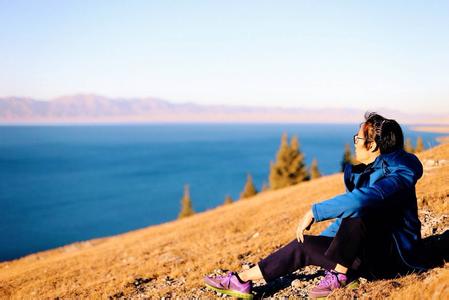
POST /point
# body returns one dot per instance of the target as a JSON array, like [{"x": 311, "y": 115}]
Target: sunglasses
[{"x": 356, "y": 139}]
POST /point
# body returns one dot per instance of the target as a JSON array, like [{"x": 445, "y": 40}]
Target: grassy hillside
[{"x": 171, "y": 259}]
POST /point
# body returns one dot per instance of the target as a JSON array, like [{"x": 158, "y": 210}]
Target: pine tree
[
  {"x": 186, "y": 204},
  {"x": 347, "y": 157},
  {"x": 265, "y": 187},
  {"x": 249, "y": 189},
  {"x": 408, "y": 146},
  {"x": 419, "y": 144},
  {"x": 277, "y": 177},
  {"x": 228, "y": 199},
  {"x": 289, "y": 167},
  {"x": 314, "y": 172},
  {"x": 298, "y": 167}
]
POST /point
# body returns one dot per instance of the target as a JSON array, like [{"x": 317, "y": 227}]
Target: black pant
[{"x": 364, "y": 245}]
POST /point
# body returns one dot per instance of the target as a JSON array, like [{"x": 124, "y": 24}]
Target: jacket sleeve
[
  {"x": 349, "y": 184},
  {"x": 332, "y": 229},
  {"x": 352, "y": 204}
]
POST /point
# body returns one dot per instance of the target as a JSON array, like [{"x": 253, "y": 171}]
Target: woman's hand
[{"x": 304, "y": 224}]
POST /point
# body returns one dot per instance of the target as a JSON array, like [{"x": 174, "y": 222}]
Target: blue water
[{"x": 61, "y": 184}]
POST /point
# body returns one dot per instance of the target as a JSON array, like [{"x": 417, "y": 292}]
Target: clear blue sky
[{"x": 392, "y": 54}]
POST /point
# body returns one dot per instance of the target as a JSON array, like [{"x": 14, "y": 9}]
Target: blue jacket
[{"x": 386, "y": 185}]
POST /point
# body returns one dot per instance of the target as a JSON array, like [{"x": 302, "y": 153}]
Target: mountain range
[{"x": 90, "y": 108}]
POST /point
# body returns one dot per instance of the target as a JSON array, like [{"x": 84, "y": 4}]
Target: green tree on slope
[
  {"x": 314, "y": 171},
  {"x": 347, "y": 157},
  {"x": 249, "y": 189},
  {"x": 186, "y": 204},
  {"x": 289, "y": 167}
]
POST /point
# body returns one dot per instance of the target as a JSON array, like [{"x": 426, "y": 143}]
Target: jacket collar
[{"x": 382, "y": 161}]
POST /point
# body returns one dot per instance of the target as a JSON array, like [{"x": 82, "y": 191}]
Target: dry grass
[
  {"x": 430, "y": 285},
  {"x": 433, "y": 188},
  {"x": 172, "y": 258}
]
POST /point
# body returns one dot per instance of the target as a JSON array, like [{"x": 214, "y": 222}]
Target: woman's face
[{"x": 363, "y": 154}]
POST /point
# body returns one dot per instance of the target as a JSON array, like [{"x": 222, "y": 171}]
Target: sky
[{"x": 313, "y": 54}]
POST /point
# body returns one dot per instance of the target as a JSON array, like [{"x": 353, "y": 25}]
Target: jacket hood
[{"x": 399, "y": 158}]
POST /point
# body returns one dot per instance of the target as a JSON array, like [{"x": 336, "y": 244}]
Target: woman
[{"x": 376, "y": 232}]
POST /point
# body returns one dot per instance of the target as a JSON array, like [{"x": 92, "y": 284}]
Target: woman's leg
[
  {"x": 338, "y": 253},
  {"x": 252, "y": 274},
  {"x": 364, "y": 243},
  {"x": 290, "y": 258},
  {"x": 332, "y": 253},
  {"x": 349, "y": 242}
]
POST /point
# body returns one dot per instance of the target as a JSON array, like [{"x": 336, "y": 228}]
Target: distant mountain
[{"x": 89, "y": 108}]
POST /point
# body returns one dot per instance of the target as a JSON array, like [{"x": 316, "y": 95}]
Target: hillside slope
[{"x": 171, "y": 259}]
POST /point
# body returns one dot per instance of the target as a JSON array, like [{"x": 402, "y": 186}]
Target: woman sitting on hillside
[{"x": 376, "y": 232}]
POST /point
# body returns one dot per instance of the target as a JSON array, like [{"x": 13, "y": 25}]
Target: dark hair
[{"x": 385, "y": 132}]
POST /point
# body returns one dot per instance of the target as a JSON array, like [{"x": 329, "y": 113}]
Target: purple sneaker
[
  {"x": 330, "y": 282},
  {"x": 230, "y": 284}
]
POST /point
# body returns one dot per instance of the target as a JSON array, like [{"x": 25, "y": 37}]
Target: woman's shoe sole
[{"x": 231, "y": 293}]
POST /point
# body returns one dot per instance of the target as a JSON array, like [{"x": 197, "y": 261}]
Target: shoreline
[
  {"x": 444, "y": 129},
  {"x": 434, "y": 128}
]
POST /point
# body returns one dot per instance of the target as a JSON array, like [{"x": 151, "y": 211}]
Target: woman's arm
[
  {"x": 304, "y": 225},
  {"x": 352, "y": 204}
]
